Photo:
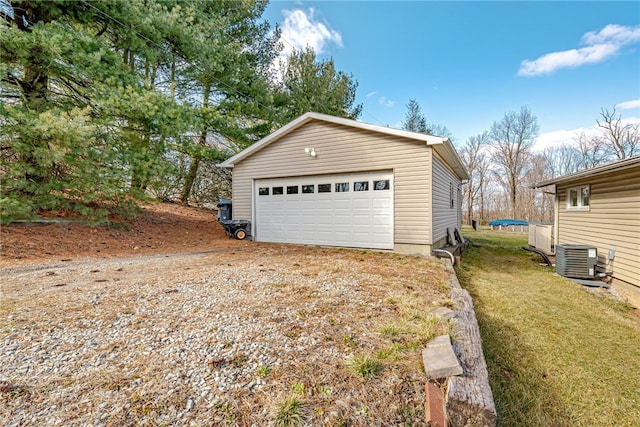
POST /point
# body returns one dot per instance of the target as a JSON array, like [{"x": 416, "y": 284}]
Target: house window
[
  {"x": 324, "y": 188},
  {"x": 578, "y": 198},
  {"x": 306, "y": 189},
  {"x": 292, "y": 189},
  {"x": 584, "y": 195},
  {"x": 276, "y": 190},
  {"x": 263, "y": 191},
  {"x": 361, "y": 186}
]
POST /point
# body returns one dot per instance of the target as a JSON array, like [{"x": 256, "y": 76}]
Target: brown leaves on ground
[{"x": 158, "y": 228}]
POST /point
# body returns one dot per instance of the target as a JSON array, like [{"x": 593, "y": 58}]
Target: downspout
[
  {"x": 442, "y": 251},
  {"x": 556, "y": 219}
]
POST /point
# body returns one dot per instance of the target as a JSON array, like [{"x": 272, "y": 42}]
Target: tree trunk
[
  {"x": 195, "y": 161},
  {"x": 139, "y": 175},
  {"x": 482, "y": 203},
  {"x": 189, "y": 180},
  {"x": 469, "y": 205},
  {"x": 172, "y": 89},
  {"x": 35, "y": 89},
  {"x": 513, "y": 199}
]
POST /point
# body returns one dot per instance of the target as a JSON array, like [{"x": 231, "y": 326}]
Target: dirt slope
[{"x": 159, "y": 228}]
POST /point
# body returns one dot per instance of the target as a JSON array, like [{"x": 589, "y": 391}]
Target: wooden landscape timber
[{"x": 469, "y": 400}]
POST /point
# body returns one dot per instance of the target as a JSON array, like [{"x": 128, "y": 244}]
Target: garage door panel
[
  {"x": 361, "y": 238},
  {"x": 361, "y": 203},
  {"x": 342, "y": 236},
  {"x": 309, "y": 219},
  {"x": 292, "y": 221},
  {"x": 347, "y": 218},
  {"x": 324, "y": 219},
  {"x": 361, "y": 219},
  {"x": 380, "y": 238},
  {"x": 342, "y": 204},
  {"x": 381, "y": 220},
  {"x": 309, "y": 205},
  {"x": 341, "y": 218},
  {"x": 324, "y": 236},
  {"x": 277, "y": 234},
  {"x": 381, "y": 203},
  {"x": 276, "y": 220},
  {"x": 292, "y": 205}
]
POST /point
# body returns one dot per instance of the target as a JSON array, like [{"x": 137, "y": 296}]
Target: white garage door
[{"x": 351, "y": 210}]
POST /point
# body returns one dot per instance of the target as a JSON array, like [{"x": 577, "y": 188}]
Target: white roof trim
[
  {"x": 443, "y": 146},
  {"x": 598, "y": 170}
]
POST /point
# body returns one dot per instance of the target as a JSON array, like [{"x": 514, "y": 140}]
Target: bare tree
[
  {"x": 561, "y": 160},
  {"x": 622, "y": 138},
  {"x": 440, "y": 130},
  {"x": 536, "y": 205},
  {"x": 593, "y": 151},
  {"x": 513, "y": 137},
  {"x": 475, "y": 159}
]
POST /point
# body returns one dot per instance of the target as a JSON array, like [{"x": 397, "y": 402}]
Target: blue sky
[{"x": 469, "y": 63}]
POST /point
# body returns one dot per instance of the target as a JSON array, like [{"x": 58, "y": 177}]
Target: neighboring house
[
  {"x": 601, "y": 207},
  {"x": 324, "y": 180}
]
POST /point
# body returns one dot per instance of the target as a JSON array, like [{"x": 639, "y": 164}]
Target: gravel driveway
[{"x": 226, "y": 337}]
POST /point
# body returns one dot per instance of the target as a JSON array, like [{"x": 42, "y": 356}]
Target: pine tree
[
  {"x": 96, "y": 95},
  {"x": 414, "y": 120},
  {"x": 312, "y": 85}
]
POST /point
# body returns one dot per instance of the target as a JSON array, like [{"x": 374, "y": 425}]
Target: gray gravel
[{"x": 178, "y": 340}]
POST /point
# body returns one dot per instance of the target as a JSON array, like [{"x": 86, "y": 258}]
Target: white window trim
[{"x": 579, "y": 206}]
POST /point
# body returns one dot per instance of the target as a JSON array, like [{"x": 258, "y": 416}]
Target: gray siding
[
  {"x": 444, "y": 216},
  {"x": 342, "y": 149},
  {"x": 613, "y": 219}
]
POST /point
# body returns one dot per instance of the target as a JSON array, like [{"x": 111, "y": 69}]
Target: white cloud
[
  {"x": 561, "y": 137},
  {"x": 386, "y": 102},
  {"x": 300, "y": 29},
  {"x": 550, "y": 62},
  {"x": 617, "y": 34},
  {"x": 600, "y": 46},
  {"x": 629, "y": 105},
  {"x": 370, "y": 94}
]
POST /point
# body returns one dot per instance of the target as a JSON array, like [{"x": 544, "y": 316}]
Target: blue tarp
[{"x": 507, "y": 222}]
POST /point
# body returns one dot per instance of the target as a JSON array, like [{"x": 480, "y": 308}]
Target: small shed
[
  {"x": 325, "y": 180},
  {"x": 601, "y": 207}
]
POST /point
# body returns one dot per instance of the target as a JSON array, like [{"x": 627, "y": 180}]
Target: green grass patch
[
  {"x": 364, "y": 366},
  {"x": 288, "y": 413},
  {"x": 557, "y": 355},
  {"x": 263, "y": 371}
]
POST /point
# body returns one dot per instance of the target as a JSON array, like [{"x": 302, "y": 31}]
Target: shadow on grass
[
  {"x": 520, "y": 385},
  {"x": 521, "y": 399},
  {"x": 557, "y": 355}
]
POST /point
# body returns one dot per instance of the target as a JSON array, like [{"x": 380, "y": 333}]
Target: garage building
[{"x": 324, "y": 180}]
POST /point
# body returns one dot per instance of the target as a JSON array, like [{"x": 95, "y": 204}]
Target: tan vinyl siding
[
  {"x": 613, "y": 219},
  {"x": 342, "y": 149},
  {"x": 444, "y": 215}
]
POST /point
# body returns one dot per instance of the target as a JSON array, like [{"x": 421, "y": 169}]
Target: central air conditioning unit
[{"x": 577, "y": 261}]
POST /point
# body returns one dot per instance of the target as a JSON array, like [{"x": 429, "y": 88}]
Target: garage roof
[{"x": 442, "y": 146}]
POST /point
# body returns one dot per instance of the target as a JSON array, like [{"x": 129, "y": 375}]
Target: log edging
[{"x": 468, "y": 399}]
